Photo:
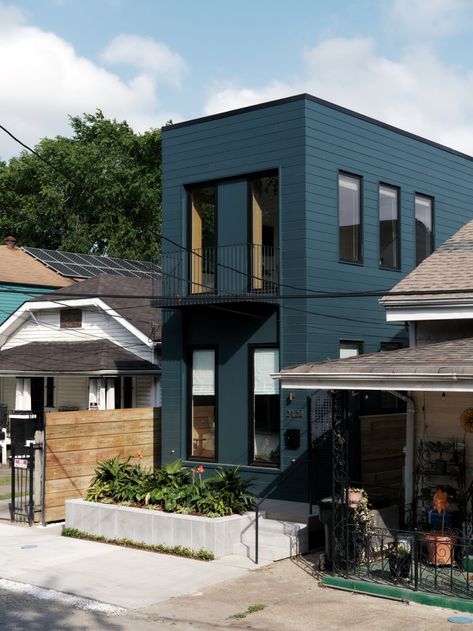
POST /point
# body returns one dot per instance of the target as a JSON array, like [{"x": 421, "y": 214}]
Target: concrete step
[{"x": 278, "y": 539}]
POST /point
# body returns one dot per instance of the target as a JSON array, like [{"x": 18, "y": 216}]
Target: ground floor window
[
  {"x": 203, "y": 405},
  {"x": 265, "y": 422}
]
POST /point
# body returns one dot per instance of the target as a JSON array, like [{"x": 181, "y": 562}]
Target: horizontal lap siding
[
  {"x": 76, "y": 441},
  {"x": 337, "y": 141},
  {"x": 234, "y": 146}
]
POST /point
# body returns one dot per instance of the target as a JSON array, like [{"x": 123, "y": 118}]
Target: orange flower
[
  {"x": 200, "y": 469},
  {"x": 139, "y": 454}
]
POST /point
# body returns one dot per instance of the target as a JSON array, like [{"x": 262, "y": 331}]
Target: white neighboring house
[{"x": 94, "y": 345}]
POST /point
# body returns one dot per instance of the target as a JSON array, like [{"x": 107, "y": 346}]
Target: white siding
[
  {"x": 7, "y": 392},
  {"x": 72, "y": 392},
  {"x": 96, "y": 325},
  {"x": 144, "y": 392}
]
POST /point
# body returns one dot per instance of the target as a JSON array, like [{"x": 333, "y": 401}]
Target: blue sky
[{"x": 407, "y": 62}]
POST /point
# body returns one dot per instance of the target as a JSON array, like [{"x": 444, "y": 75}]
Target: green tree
[{"x": 110, "y": 201}]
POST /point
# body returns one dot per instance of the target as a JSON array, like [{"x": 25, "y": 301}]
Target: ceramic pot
[{"x": 439, "y": 548}]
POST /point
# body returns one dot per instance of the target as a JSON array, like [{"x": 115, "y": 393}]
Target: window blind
[
  {"x": 266, "y": 362},
  {"x": 203, "y": 373}
]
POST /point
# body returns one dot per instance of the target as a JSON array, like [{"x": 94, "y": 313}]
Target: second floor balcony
[{"x": 232, "y": 273}]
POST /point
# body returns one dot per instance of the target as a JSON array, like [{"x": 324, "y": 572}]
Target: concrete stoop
[{"x": 278, "y": 538}]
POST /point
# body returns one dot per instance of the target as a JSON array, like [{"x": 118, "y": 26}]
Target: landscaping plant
[{"x": 171, "y": 488}]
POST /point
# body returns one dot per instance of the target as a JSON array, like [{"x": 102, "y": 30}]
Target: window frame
[
  {"x": 64, "y": 324},
  {"x": 359, "y": 343},
  {"x": 359, "y": 260},
  {"x": 189, "y": 405},
  {"x": 190, "y": 227},
  {"x": 397, "y": 189},
  {"x": 431, "y": 198},
  {"x": 252, "y": 462}
]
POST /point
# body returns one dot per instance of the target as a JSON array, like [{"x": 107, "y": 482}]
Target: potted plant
[
  {"x": 439, "y": 545},
  {"x": 354, "y": 496},
  {"x": 399, "y": 557}
]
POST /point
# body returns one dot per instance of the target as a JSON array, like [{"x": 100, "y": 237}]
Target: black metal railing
[
  {"x": 439, "y": 562},
  {"x": 225, "y": 270}
]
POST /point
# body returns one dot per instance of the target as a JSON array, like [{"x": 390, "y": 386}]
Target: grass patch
[
  {"x": 5, "y": 481},
  {"x": 5, "y": 496},
  {"x": 181, "y": 551},
  {"x": 251, "y": 609}
]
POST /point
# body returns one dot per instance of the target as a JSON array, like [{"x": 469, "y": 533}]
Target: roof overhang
[
  {"x": 429, "y": 311},
  {"x": 349, "y": 381},
  {"x": 440, "y": 366}
]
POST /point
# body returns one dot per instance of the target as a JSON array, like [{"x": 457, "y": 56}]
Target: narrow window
[
  {"x": 389, "y": 227},
  {"x": 203, "y": 240},
  {"x": 70, "y": 318},
  {"x": 424, "y": 227},
  {"x": 266, "y": 407},
  {"x": 265, "y": 232},
  {"x": 49, "y": 392},
  {"x": 349, "y": 348},
  {"x": 203, "y": 405},
  {"x": 349, "y": 216}
]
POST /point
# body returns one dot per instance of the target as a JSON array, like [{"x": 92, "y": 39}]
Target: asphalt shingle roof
[
  {"x": 119, "y": 293},
  {"x": 71, "y": 358},
  {"x": 454, "y": 357},
  {"x": 448, "y": 269}
]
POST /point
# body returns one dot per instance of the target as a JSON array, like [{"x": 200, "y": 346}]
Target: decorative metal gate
[
  {"x": 22, "y": 484},
  {"x": 340, "y": 530},
  {"x": 321, "y": 445}
]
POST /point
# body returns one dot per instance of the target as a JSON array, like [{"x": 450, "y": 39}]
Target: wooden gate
[{"x": 76, "y": 441}]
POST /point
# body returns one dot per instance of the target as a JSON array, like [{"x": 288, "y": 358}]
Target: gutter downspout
[{"x": 409, "y": 463}]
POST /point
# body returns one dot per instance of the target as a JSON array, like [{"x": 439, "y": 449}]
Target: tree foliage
[{"x": 109, "y": 203}]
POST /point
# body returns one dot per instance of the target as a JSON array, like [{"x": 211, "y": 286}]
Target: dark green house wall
[{"x": 308, "y": 142}]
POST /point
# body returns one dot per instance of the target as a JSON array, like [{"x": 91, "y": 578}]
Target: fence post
[
  {"x": 12, "y": 500},
  {"x": 31, "y": 484},
  {"x": 416, "y": 559},
  {"x": 257, "y": 534}
]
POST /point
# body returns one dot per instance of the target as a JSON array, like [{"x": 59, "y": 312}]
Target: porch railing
[
  {"x": 245, "y": 268},
  {"x": 432, "y": 561}
]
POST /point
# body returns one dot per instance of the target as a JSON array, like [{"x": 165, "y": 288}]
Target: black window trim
[
  {"x": 190, "y": 351},
  {"x": 251, "y": 386},
  {"x": 399, "y": 227},
  {"x": 361, "y": 247}
]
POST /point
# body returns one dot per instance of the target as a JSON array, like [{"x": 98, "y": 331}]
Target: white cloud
[
  {"x": 430, "y": 18},
  {"x": 44, "y": 80},
  {"x": 416, "y": 91},
  {"x": 146, "y": 55}
]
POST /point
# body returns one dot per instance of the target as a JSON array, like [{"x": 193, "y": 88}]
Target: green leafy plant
[
  {"x": 171, "y": 488},
  {"x": 201, "y": 555}
]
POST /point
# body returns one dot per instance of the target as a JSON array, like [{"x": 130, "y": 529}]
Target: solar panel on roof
[{"x": 75, "y": 265}]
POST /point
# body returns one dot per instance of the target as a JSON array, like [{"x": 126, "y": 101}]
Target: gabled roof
[
  {"x": 439, "y": 366},
  {"x": 448, "y": 269},
  {"x": 18, "y": 267},
  {"x": 74, "y": 265},
  {"x": 94, "y": 357},
  {"x": 130, "y": 297}
]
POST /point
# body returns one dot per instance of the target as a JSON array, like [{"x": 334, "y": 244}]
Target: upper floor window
[
  {"x": 350, "y": 348},
  {"x": 70, "y": 318},
  {"x": 424, "y": 227},
  {"x": 203, "y": 239},
  {"x": 264, "y": 231},
  {"x": 349, "y": 218},
  {"x": 389, "y": 227}
]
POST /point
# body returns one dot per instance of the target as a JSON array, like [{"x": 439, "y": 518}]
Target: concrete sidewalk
[{"x": 120, "y": 576}]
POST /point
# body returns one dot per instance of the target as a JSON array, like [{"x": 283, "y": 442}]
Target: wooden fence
[{"x": 76, "y": 441}]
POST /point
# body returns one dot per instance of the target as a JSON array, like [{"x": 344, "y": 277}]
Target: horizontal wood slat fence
[{"x": 76, "y": 441}]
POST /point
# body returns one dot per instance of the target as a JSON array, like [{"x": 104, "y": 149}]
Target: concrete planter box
[{"x": 220, "y": 535}]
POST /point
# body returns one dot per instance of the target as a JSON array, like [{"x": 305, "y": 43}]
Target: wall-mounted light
[
  {"x": 291, "y": 396},
  {"x": 443, "y": 395}
]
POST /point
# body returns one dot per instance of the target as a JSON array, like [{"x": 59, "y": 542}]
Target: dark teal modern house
[{"x": 283, "y": 225}]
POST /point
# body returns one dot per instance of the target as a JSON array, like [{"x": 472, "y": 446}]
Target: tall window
[
  {"x": 424, "y": 227},
  {"x": 349, "y": 217},
  {"x": 203, "y": 239},
  {"x": 265, "y": 231},
  {"x": 389, "y": 227},
  {"x": 266, "y": 408},
  {"x": 203, "y": 417}
]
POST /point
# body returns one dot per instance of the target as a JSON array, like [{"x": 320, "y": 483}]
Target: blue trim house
[{"x": 272, "y": 215}]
